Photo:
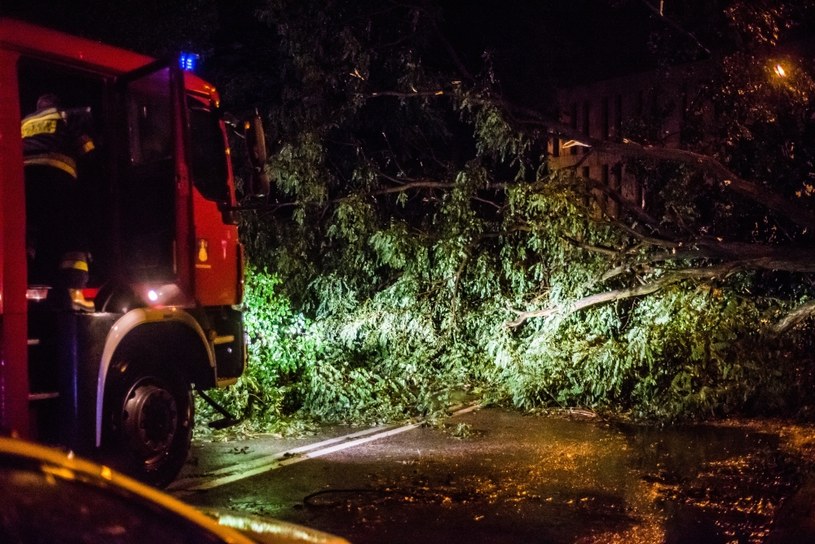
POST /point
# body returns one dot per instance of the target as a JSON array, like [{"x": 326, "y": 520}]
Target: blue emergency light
[{"x": 187, "y": 61}]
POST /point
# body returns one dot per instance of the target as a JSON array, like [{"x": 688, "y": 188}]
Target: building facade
[{"x": 648, "y": 108}]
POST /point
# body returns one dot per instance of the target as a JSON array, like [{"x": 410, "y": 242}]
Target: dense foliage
[
  {"x": 418, "y": 244},
  {"x": 428, "y": 247}
]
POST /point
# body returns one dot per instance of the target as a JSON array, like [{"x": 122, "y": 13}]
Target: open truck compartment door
[{"x": 152, "y": 195}]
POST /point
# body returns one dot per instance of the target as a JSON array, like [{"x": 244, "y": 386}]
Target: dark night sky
[
  {"x": 534, "y": 43},
  {"x": 575, "y": 39}
]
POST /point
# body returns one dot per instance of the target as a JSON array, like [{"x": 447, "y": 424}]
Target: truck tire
[{"x": 149, "y": 421}]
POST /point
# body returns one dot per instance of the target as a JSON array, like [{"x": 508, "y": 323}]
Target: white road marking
[{"x": 234, "y": 473}]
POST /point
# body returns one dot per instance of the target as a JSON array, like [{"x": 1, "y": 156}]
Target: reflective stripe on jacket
[{"x": 52, "y": 138}]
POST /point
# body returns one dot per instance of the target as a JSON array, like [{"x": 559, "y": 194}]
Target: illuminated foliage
[{"x": 418, "y": 227}]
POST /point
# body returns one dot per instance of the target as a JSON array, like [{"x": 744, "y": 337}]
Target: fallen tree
[{"x": 418, "y": 224}]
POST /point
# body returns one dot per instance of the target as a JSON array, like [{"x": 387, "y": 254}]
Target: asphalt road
[{"x": 494, "y": 476}]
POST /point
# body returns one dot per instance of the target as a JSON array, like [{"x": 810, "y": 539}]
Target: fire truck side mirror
[{"x": 256, "y": 146}]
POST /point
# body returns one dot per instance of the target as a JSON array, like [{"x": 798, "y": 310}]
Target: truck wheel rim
[{"x": 150, "y": 419}]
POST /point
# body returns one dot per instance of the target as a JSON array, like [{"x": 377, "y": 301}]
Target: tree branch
[
  {"x": 609, "y": 252},
  {"x": 705, "y": 163},
  {"x": 752, "y": 191},
  {"x": 794, "y": 317},
  {"x": 622, "y": 294},
  {"x": 412, "y": 94},
  {"x": 451, "y": 51},
  {"x": 421, "y": 184},
  {"x": 638, "y": 213},
  {"x": 673, "y": 24}
]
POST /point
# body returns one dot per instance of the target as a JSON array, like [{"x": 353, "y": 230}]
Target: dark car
[{"x": 48, "y": 496}]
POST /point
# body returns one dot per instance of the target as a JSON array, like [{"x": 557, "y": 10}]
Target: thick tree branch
[
  {"x": 710, "y": 165},
  {"x": 752, "y": 191},
  {"x": 794, "y": 317},
  {"x": 420, "y": 184},
  {"x": 774, "y": 259},
  {"x": 649, "y": 240},
  {"x": 759, "y": 256},
  {"x": 622, "y": 294},
  {"x": 411, "y": 94}
]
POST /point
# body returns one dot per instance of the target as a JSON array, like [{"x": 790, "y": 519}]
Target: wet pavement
[{"x": 495, "y": 476}]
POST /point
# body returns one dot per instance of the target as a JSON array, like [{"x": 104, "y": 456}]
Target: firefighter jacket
[{"x": 56, "y": 138}]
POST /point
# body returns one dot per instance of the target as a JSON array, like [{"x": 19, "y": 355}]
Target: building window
[
  {"x": 617, "y": 177},
  {"x": 588, "y": 197}
]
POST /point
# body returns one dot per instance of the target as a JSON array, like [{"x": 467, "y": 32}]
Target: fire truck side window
[
  {"x": 150, "y": 138},
  {"x": 209, "y": 167}
]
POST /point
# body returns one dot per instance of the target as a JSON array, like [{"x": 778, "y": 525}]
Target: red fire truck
[{"x": 167, "y": 267}]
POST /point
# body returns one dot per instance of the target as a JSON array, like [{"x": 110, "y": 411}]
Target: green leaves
[
  {"x": 283, "y": 347},
  {"x": 414, "y": 217}
]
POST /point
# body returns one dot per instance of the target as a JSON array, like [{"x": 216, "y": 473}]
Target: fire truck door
[{"x": 153, "y": 193}]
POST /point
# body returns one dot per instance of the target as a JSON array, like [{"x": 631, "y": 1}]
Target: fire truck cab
[{"x": 166, "y": 273}]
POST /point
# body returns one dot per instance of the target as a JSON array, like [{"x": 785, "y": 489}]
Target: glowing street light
[{"x": 779, "y": 70}]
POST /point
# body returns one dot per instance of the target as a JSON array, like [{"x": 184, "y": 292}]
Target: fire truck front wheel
[{"x": 150, "y": 421}]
